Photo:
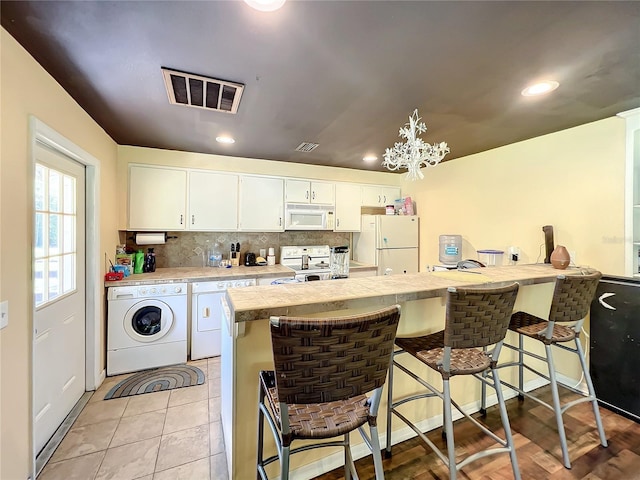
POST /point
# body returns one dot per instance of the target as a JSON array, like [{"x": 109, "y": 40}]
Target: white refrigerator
[{"x": 388, "y": 241}]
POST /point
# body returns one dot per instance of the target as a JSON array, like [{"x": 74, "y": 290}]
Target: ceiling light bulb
[
  {"x": 370, "y": 158},
  {"x": 540, "y": 88},
  {"x": 225, "y": 140},
  {"x": 265, "y": 5}
]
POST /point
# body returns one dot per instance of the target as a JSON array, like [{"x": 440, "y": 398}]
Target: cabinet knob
[
  {"x": 306, "y": 194},
  {"x": 193, "y": 219},
  {"x": 313, "y": 197},
  {"x": 181, "y": 219},
  {"x": 338, "y": 223}
]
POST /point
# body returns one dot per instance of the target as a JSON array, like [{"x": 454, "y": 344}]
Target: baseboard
[{"x": 336, "y": 460}]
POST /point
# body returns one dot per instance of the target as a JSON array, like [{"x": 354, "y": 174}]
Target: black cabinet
[{"x": 615, "y": 345}]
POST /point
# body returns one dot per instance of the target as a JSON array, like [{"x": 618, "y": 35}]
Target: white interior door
[{"x": 59, "y": 290}]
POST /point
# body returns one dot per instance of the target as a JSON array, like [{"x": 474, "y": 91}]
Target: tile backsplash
[{"x": 188, "y": 248}]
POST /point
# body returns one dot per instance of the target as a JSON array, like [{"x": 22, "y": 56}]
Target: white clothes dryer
[{"x": 146, "y": 327}]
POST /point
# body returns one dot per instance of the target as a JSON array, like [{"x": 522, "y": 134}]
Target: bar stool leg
[
  {"x": 592, "y": 393},
  {"x": 284, "y": 463},
  {"x": 556, "y": 407},
  {"x": 348, "y": 460},
  {"x": 505, "y": 424},
  {"x": 448, "y": 429},
  {"x": 483, "y": 386},
  {"x": 387, "y": 450},
  {"x": 260, "y": 429},
  {"x": 376, "y": 453},
  {"x": 520, "y": 366}
]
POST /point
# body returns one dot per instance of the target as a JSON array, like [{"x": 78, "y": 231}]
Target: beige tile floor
[{"x": 170, "y": 435}]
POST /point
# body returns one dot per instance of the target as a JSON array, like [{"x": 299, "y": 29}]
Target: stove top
[{"x": 291, "y": 256}]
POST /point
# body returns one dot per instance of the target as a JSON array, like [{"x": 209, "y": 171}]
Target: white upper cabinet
[
  {"x": 213, "y": 201},
  {"x": 261, "y": 204},
  {"x": 347, "y": 214},
  {"x": 305, "y": 191},
  {"x": 157, "y": 198},
  {"x": 377, "y": 196}
]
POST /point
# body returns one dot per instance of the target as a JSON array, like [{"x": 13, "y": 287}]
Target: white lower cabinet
[{"x": 261, "y": 204}]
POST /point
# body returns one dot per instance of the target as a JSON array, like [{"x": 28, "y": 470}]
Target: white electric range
[{"x": 318, "y": 261}]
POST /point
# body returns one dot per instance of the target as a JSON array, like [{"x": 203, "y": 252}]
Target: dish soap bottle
[
  {"x": 150, "y": 261},
  {"x": 138, "y": 262}
]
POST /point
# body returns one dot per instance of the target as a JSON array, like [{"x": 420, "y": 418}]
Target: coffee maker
[{"x": 339, "y": 262}]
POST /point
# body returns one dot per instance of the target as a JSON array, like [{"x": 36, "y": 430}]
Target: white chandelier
[{"x": 414, "y": 153}]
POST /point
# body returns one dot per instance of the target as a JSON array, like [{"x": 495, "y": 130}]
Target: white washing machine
[
  {"x": 146, "y": 327},
  {"x": 206, "y": 315}
]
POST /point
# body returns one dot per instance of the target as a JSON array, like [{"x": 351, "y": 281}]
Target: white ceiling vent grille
[
  {"x": 197, "y": 91},
  {"x": 306, "y": 147}
]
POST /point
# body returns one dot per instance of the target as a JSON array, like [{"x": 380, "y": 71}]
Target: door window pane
[
  {"x": 40, "y": 187},
  {"x": 39, "y": 281},
  {"x": 68, "y": 266},
  {"x": 54, "y": 190},
  {"x": 54, "y": 234},
  {"x": 54, "y": 270},
  {"x": 68, "y": 234},
  {"x": 69, "y": 192}
]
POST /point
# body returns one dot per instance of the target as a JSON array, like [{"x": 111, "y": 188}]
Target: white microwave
[{"x": 308, "y": 217}]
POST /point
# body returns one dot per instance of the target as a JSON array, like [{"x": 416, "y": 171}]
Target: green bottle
[{"x": 138, "y": 263}]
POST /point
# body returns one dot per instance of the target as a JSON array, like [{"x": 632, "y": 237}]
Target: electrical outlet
[
  {"x": 4, "y": 314},
  {"x": 572, "y": 257}
]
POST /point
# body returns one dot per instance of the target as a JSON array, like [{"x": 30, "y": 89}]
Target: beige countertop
[
  {"x": 201, "y": 274},
  {"x": 204, "y": 274},
  {"x": 255, "y": 303}
]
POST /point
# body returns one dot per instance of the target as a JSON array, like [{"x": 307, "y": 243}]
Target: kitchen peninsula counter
[
  {"x": 246, "y": 346},
  {"x": 308, "y": 298}
]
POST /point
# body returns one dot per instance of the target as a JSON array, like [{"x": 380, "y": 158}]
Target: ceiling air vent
[
  {"x": 197, "y": 91},
  {"x": 306, "y": 147}
]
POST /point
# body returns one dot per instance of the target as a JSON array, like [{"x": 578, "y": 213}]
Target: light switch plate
[{"x": 4, "y": 314}]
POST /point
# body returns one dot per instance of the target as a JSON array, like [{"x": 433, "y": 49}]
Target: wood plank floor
[{"x": 537, "y": 447}]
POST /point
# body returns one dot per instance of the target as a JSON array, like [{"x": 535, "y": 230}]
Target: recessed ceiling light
[
  {"x": 225, "y": 140},
  {"x": 265, "y": 5},
  {"x": 540, "y": 88},
  {"x": 370, "y": 158}
]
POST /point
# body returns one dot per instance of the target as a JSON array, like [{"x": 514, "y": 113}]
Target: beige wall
[
  {"x": 573, "y": 180},
  {"x": 26, "y": 89}
]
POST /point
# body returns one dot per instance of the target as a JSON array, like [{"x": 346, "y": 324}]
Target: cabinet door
[
  {"x": 261, "y": 204},
  {"x": 347, "y": 207},
  {"x": 371, "y": 196},
  {"x": 157, "y": 198},
  {"x": 376, "y": 196},
  {"x": 388, "y": 195},
  {"x": 213, "y": 201},
  {"x": 297, "y": 191},
  {"x": 322, "y": 193}
]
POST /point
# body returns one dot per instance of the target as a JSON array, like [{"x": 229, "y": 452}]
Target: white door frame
[{"x": 39, "y": 131}]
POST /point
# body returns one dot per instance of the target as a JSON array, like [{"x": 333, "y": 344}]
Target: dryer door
[{"x": 148, "y": 321}]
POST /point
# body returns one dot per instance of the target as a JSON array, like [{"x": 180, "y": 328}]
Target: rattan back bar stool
[
  {"x": 570, "y": 305},
  {"x": 324, "y": 367},
  {"x": 475, "y": 319}
]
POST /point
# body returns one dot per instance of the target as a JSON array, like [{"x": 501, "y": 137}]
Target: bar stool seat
[
  {"x": 535, "y": 327},
  {"x": 318, "y": 420},
  {"x": 323, "y": 370},
  {"x": 429, "y": 349},
  {"x": 476, "y": 318}
]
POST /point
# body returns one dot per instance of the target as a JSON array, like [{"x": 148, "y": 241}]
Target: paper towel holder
[{"x": 166, "y": 237}]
